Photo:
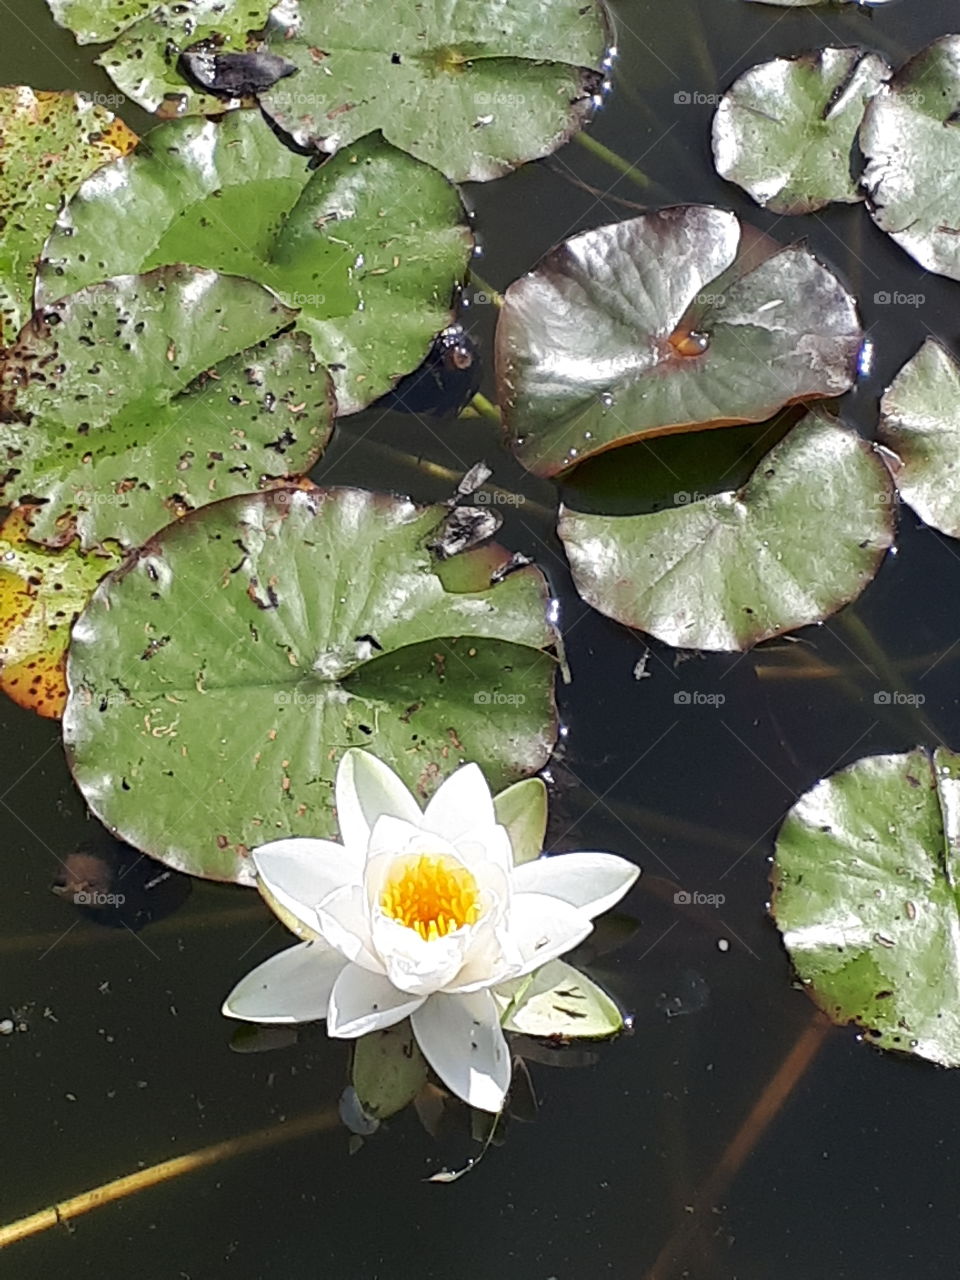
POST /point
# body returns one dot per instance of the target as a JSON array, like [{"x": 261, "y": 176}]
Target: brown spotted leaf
[
  {"x": 217, "y": 677},
  {"x": 49, "y": 142},
  {"x": 41, "y": 594},
  {"x": 131, "y": 402}
]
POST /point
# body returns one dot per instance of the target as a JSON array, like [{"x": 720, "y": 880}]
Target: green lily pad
[
  {"x": 133, "y": 401},
  {"x": 522, "y": 809},
  {"x": 219, "y": 675},
  {"x": 49, "y": 142},
  {"x": 97, "y": 21},
  {"x": 41, "y": 594},
  {"x": 911, "y": 138},
  {"x": 785, "y": 130},
  {"x": 389, "y": 1070},
  {"x": 474, "y": 89},
  {"x": 801, "y": 538},
  {"x": 149, "y": 38},
  {"x": 671, "y": 321},
  {"x": 561, "y": 1002},
  {"x": 920, "y": 423},
  {"x": 369, "y": 248},
  {"x": 865, "y": 896}
]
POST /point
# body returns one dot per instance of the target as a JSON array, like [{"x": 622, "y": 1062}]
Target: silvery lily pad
[
  {"x": 865, "y": 897},
  {"x": 801, "y": 538},
  {"x": 911, "y": 139},
  {"x": 785, "y": 129},
  {"x": 671, "y": 321}
]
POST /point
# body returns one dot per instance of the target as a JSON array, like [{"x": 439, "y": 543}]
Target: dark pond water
[{"x": 645, "y": 1163}]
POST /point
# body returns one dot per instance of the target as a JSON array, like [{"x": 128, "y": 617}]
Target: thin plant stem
[
  {"x": 493, "y": 294},
  {"x": 452, "y": 477},
  {"x": 875, "y": 656},
  {"x": 176, "y": 923},
  {"x": 485, "y": 408},
  {"x": 120, "y": 1188},
  {"x": 758, "y": 1120},
  {"x": 604, "y": 153}
]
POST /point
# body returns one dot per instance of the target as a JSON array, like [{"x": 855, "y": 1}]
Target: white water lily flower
[{"x": 420, "y": 914}]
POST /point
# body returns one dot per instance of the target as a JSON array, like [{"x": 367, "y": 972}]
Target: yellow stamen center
[{"x": 432, "y": 893}]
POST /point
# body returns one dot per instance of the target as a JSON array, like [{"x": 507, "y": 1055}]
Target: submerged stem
[
  {"x": 485, "y": 408},
  {"x": 493, "y": 294},
  {"x": 120, "y": 1188},
  {"x": 758, "y": 1120},
  {"x": 611, "y": 158}
]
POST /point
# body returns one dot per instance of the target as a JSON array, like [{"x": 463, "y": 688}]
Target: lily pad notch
[
  {"x": 802, "y": 538},
  {"x": 677, "y": 320},
  {"x": 369, "y": 249},
  {"x": 217, "y": 678}
]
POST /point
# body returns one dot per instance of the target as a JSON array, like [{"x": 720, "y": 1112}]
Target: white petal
[
  {"x": 412, "y": 964},
  {"x": 292, "y": 986},
  {"x": 462, "y": 804},
  {"x": 491, "y": 959},
  {"x": 301, "y": 872},
  {"x": 342, "y": 919},
  {"x": 461, "y": 1039},
  {"x": 366, "y": 789},
  {"x": 362, "y": 1001},
  {"x": 591, "y": 881},
  {"x": 397, "y": 836},
  {"x": 484, "y": 847},
  {"x": 543, "y": 927}
]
